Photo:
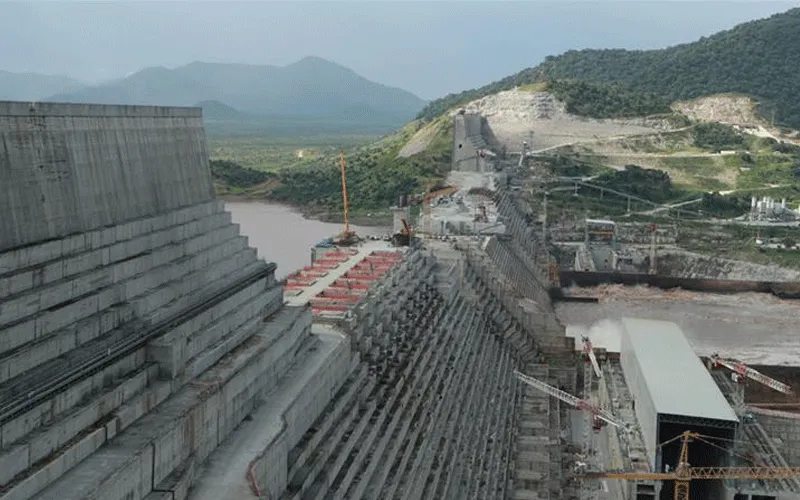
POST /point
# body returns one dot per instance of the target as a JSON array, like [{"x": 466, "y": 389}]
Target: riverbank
[{"x": 376, "y": 219}]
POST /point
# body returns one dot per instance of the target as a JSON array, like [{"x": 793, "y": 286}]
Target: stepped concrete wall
[
  {"x": 72, "y": 168},
  {"x": 138, "y": 329}
]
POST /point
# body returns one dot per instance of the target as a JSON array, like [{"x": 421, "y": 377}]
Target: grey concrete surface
[
  {"x": 114, "y": 231},
  {"x": 69, "y": 168}
]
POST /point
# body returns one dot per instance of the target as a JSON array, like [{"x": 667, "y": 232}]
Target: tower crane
[
  {"x": 588, "y": 349},
  {"x": 743, "y": 372},
  {"x": 683, "y": 474},
  {"x": 600, "y": 414}
]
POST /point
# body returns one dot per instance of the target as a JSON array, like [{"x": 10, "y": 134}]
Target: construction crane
[
  {"x": 600, "y": 414},
  {"x": 743, "y": 372},
  {"x": 431, "y": 195},
  {"x": 346, "y": 237},
  {"x": 683, "y": 474},
  {"x": 591, "y": 358}
]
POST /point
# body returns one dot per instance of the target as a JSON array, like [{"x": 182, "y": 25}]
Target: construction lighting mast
[{"x": 683, "y": 474}]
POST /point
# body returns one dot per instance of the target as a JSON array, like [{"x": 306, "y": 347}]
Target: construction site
[{"x": 146, "y": 352}]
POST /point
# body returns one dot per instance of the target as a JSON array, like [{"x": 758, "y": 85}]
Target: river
[{"x": 282, "y": 235}]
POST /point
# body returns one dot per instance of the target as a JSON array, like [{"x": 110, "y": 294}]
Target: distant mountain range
[
  {"x": 310, "y": 89},
  {"x": 33, "y": 86}
]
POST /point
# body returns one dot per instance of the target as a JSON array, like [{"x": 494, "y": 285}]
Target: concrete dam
[{"x": 146, "y": 352}]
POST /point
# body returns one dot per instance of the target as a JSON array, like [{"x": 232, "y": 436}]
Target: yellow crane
[
  {"x": 347, "y": 237},
  {"x": 683, "y": 474}
]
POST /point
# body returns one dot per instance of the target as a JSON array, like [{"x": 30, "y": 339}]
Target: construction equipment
[
  {"x": 430, "y": 195},
  {"x": 742, "y": 372},
  {"x": 600, "y": 414},
  {"x": 403, "y": 238},
  {"x": 683, "y": 474},
  {"x": 588, "y": 351},
  {"x": 480, "y": 214},
  {"x": 346, "y": 237}
]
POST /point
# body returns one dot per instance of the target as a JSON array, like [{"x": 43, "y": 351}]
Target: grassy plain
[{"x": 271, "y": 153}]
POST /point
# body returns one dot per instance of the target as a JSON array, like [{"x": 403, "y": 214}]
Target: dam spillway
[{"x": 147, "y": 353}]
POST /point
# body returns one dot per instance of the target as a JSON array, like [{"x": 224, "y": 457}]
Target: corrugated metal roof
[{"x": 678, "y": 382}]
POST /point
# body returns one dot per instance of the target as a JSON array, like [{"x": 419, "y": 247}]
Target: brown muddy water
[
  {"x": 282, "y": 235},
  {"x": 757, "y": 328}
]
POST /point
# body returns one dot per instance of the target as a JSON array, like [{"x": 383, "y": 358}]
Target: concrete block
[
  {"x": 13, "y": 460},
  {"x": 22, "y": 425},
  {"x": 57, "y": 467},
  {"x": 141, "y": 404},
  {"x": 46, "y": 442},
  {"x": 160, "y": 495}
]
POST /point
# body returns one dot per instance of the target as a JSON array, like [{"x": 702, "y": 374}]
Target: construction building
[{"x": 673, "y": 392}]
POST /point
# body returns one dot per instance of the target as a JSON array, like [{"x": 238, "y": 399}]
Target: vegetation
[
  {"x": 606, "y": 101},
  {"x": 581, "y": 98},
  {"x": 653, "y": 185},
  {"x": 376, "y": 176},
  {"x": 716, "y": 137},
  {"x": 271, "y": 153},
  {"x": 753, "y": 58},
  {"x": 237, "y": 176}
]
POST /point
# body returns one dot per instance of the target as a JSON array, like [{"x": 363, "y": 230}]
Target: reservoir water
[{"x": 282, "y": 235}]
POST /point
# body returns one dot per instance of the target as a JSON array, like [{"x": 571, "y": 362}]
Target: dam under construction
[{"x": 147, "y": 353}]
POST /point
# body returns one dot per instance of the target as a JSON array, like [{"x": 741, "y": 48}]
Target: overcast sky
[{"x": 429, "y": 48}]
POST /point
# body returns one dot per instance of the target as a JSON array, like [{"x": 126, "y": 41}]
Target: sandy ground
[{"x": 753, "y": 327}]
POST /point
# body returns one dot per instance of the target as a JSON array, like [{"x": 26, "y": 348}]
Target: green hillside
[
  {"x": 376, "y": 174},
  {"x": 758, "y": 58},
  {"x": 312, "y": 90}
]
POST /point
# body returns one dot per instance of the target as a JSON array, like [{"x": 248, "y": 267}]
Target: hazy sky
[{"x": 429, "y": 48}]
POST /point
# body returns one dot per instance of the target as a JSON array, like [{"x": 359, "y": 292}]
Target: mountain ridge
[
  {"x": 755, "y": 58},
  {"x": 311, "y": 87},
  {"x": 31, "y": 86}
]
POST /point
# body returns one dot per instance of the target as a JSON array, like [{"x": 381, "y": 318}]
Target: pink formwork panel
[
  {"x": 346, "y": 300},
  {"x": 314, "y": 273},
  {"x": 326, "y": 264},
  {"x": 300, "y": 280},
  {"x": 338, "y": 256}
]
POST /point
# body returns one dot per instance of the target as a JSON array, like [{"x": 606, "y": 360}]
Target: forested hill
[{"x": 759, "y": 58}]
